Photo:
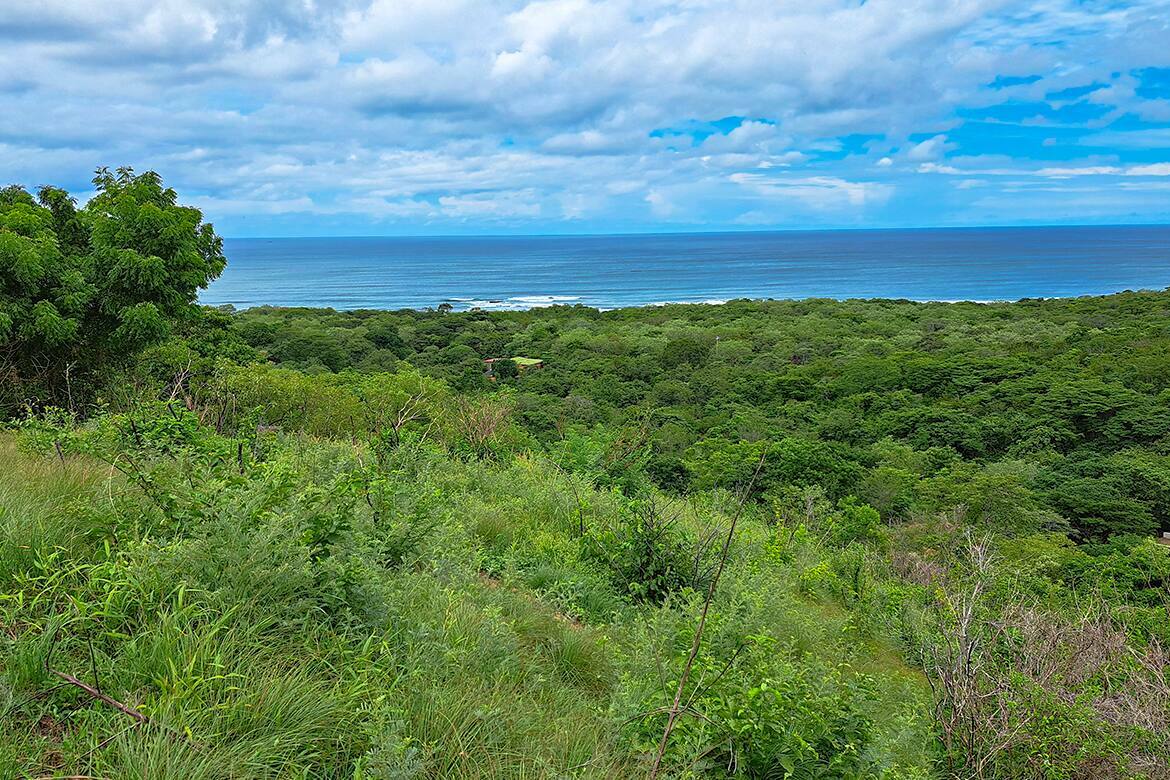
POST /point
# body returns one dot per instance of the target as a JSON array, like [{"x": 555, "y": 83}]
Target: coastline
[
  {"x": 605, "y": 272},
  {"x": 504, "y": 307}
]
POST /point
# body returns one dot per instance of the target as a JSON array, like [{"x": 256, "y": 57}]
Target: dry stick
[
  {"x": 38, "y": 695},
  {"x": 69, "y": 387},
  {"x": 726, "y": 668},
  {"x": 576, "y": 495},
  {"x": 94, "y": 692},
  {"x": 97, "y": 694},
  {"x": 676, "y": 707}
]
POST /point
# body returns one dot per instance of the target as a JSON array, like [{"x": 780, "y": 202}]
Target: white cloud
[
  {"x": 508, "y": 110},
  {"x": 1156, "y": 169},
  {"x": 1057, "y": 172},
  {"x": 1087, "y": 170},
  {"x": 820, "y": 192},
  {"x": 660, "y": 204},
  {"x": 592, "y": 142},
  {"x": 749, "y": 136},
  {"x": 930, "y": 149},
  {"x": 493, "y": 205},
  {"x": 936, "y": 168}
]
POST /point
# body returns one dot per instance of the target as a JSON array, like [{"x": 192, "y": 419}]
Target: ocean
[{"x": 519, "y": 272}]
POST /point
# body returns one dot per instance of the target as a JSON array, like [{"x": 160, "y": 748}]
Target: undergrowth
[{"x": 284, "y": 606}]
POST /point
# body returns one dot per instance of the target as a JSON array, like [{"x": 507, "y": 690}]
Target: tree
[
  {"x": 1017, "y": 686},
  {"x": 83, "y": 289},
  {"x": 687, "y": 350},
  {"x": 505, "y": 368}
]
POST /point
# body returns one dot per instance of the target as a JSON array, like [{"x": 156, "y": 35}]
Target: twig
[
  {"x": 676, "y": 707},
  {"x": 95, "y": 693},
  {"x": 69, "y": 387},
  {"x": 38, "y": 695},
  {"x": 726, "y": 668},
  {"x": 97, "y": 683},
  {"x": 123, "y": 708},
  {"x": 662, "y": 710}
]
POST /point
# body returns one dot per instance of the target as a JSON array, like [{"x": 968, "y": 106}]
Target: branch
[
  {"x": 676, "y": 707},
  {"x": 95, "y": 693}
]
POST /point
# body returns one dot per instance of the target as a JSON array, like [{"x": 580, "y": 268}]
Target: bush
[{"x": 647, "y": 554}]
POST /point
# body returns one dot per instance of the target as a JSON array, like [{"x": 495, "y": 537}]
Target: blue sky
[{"x": 383, "y": 117}]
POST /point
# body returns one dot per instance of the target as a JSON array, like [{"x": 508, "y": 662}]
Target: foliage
[
  {"x": 1037, "y": 415},
  {"x": 83, "y": 289},
  {"x": 213, "y": 561},
  {"x": 324, "y": 544}
]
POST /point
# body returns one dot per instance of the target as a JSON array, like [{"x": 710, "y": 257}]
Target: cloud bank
[{"x": 462, "y": 116}]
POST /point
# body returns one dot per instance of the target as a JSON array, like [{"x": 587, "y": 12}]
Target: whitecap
[{"x": 516, "y": 303}]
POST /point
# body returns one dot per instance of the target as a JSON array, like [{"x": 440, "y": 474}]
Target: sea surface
[{"x": 511, "y": 272}]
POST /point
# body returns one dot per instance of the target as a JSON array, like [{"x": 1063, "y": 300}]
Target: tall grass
[{"x": 278, "y": 617}]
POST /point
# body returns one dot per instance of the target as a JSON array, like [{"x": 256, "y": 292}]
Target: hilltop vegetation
[
  {"x": 862, "y": 539},
  {"x": 1034, "y": 415}
]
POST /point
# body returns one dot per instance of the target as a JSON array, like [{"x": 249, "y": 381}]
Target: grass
[
  {"x": 263, "y": 640},
  {"x": 207, "y": 634},
  {"x": 41, "y": 508}
]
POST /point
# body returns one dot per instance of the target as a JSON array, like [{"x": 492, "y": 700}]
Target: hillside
[
  {"x": 318, "y": 610},
  {"x": 803, "y": 539}
]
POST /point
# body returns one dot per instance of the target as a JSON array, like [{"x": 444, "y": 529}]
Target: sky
[{"x": 424, "y": 117}]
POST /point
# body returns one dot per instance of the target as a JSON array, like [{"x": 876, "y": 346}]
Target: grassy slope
[{"x": 496, "y": 650}]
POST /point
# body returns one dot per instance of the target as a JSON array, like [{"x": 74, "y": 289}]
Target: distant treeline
[{"x": 1050, "y": 414}]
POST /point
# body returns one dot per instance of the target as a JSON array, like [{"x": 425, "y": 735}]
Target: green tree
[
  {"x": 505, "y": 369},
  {"x": 82, "y": 289}
]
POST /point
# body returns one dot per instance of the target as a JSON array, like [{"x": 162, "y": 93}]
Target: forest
[{"x": 762, "y": 539}]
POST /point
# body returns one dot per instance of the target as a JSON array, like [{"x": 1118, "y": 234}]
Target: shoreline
[{"x": 535, "y": 302}]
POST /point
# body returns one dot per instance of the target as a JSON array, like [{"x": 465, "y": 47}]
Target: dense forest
[{"x": 764, "y": 539}]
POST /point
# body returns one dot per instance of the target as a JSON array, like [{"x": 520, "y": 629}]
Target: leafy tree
[
  {"x": 505, "y": 369},
  {"x": 991, "y": 410},
  {"x": 84, "y": 289},
  {"x": 687, "y": 350}
]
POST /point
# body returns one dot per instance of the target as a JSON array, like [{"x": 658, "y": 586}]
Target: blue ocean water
[{"x": 610, "y": 271}]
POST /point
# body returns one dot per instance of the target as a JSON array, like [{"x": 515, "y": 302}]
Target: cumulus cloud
[{"x": 384, "y": 115}]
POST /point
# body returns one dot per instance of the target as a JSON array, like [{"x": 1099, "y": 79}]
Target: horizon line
[{"x": 721, "y": 231}]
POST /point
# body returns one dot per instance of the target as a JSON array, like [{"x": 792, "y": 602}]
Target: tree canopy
[{"x": 82, "y": 288}]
